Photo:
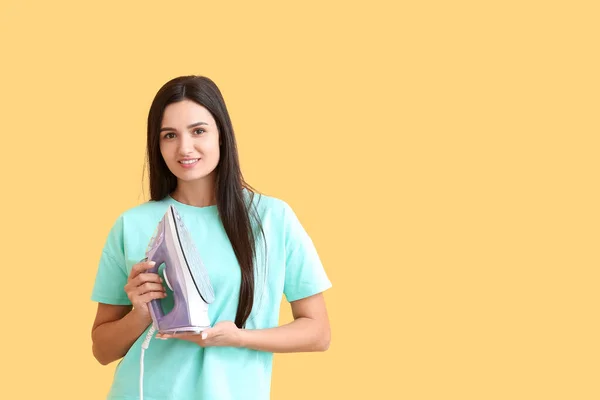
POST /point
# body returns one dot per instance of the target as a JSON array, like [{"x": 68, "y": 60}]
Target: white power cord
[{"x": 145, "y": 345}]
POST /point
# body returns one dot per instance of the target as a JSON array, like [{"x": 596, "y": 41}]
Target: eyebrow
[{"x": 166, "y": 128}]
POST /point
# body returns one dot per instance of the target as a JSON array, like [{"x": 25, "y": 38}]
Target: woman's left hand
[{"x": 224, "y": 333}]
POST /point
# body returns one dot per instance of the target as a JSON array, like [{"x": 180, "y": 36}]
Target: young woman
[{"x": 253, "y": 246}]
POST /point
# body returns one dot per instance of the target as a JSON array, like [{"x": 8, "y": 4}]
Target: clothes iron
[{"x": 184, "y": 273}]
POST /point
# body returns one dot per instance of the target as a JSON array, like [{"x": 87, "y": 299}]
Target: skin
[{"x": 116, "y": 328}]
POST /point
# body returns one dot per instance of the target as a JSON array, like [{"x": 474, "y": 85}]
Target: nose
[{"x": 186, "y": 145}]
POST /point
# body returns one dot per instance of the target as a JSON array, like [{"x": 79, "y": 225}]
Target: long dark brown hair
[{"x": 234, "y": 209}]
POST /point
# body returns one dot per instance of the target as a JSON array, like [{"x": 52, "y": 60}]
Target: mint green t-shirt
[{"x": 179, "y": 370}]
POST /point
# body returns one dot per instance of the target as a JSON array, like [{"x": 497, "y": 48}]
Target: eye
[
  {"x": 199, "y": 129},
  {"x": 169, "y": 135}
]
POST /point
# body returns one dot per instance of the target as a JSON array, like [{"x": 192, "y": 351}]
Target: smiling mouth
[{"x": 189, "y": 162}]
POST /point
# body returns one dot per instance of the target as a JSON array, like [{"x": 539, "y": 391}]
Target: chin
[
  {"x": 191, "y": 178},
  {"x": 195, "y": 176}
]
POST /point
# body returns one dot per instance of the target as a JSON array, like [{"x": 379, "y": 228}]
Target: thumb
[{"x": 206, "y": 333}]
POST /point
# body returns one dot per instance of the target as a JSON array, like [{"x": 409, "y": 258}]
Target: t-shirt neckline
[{"x": 189, "y": 206}]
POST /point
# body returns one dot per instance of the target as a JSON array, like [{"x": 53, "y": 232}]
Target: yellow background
[{"x": 442, "y": 155}]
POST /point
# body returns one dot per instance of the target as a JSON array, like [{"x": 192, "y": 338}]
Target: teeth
[{"x": 189, "y": 161}]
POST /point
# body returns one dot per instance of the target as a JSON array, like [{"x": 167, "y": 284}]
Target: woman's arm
[
  {"x": 115, "y": 330},
  {"x": 117, "y": 327},
  {"x": 309, "y": 331}
]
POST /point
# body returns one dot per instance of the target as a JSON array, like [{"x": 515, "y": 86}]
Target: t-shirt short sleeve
[
  {"x": 111, "y": 275},
  {"x": 304, "y": 272}
]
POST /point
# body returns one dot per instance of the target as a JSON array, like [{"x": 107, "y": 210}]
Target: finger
[
  {"x": 147, "y": 297},
  {"x": 140, "y": 267},
  {"x": 146, "y": 277},
  {"x": 178, "y": 335},
  {"x": 149, "y": 287},
  {"x": 190, "y": 337}
]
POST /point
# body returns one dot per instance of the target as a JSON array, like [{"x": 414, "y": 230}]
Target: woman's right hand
[{"x": 142, "y": 287}]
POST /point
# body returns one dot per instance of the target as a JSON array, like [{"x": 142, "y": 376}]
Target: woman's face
[{"x": 189, "y": 140}]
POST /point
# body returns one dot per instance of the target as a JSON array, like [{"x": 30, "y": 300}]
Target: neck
[{"x": 200, "y": 193}]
